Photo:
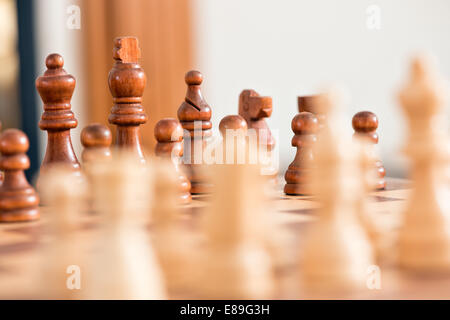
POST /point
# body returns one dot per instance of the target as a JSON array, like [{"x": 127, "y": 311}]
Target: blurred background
[{"x": 280, "y": 48}]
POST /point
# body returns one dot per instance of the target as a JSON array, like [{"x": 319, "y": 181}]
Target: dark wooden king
[{"x": 127, "y": 82}]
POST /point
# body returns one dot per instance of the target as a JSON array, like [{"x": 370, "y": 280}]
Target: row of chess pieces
[
  {"x": 327, "y": 165},
  {"x": 127, "y": 82}
]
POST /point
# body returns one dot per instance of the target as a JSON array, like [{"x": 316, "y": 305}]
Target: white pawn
[
  {"x": 424, "y": 239},
  {"x": 63, "y": 263},
  {"x": 236, "y": 264},
  {"x": 125, "y": 265},
  {"x": 336, "y": 254},
  {"x": 173, "y": 247}
]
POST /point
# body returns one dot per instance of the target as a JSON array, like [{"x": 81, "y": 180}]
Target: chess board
[{"x": 21, "y": 247}]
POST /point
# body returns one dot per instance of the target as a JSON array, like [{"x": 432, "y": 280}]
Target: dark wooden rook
[
  {"x": 18, "y": 200},
  {"x": 305, "y": 126},
  {"x": 195, "y": 115},
  {"x": 169, "y": 134},
  {"x": 56, "y": 87},
  {"x": 365, "y": 124},
  {"x": 127, "y": 82}
]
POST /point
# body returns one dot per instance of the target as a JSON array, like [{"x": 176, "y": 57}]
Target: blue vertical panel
[{"x": 29, "y": 114}]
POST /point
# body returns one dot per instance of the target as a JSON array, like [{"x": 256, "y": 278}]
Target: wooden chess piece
[
  {"x": 125, "y": 265},
  {"x": 169, "y": 134},
  {"x": 365, "y": 124},
  {"x": 127, "y": 82},
  {"x": 255, "y": 109},
  {"x": 336, "y": 252},
  {"x": 234, "y": 151},
  {"x": 96, "y": 139},
  {"x": 298, "y": 175},
  {"x": 18, "y": 200},
  {"x": 56, "y": 88},
  {"x": 236, "y": 263},
  {"x": 309, "y": 104},
  {"x": 174, "y": 246},
  {"x": 424, "y": 238},
  {"x": 195, "y": 115}
]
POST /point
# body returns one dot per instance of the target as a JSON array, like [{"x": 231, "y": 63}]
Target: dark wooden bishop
[
  {"x": 169, "y": 134},
  {"x": 305, "y": 126},
  {"x": 18, "y": 200},
  {"x": 365, "y": 124},
  {"x": 310, "y": 104},
  {"x": 195, "y": 115},
  {"x": 56, "y": 87},
  {"x": 127, "y": 82},
  {"x": 96, "y": 139}
]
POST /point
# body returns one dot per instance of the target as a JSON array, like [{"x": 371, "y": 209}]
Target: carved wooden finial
[
  {"x": 126, "y": 50},
  {"x": 18, "y": 200},
  {"x": 169, "y": 134},
  {"x": 56, "y": 87},
  {"x": 127, "y": 82}
]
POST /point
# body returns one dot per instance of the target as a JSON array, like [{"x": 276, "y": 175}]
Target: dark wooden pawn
[
  {"x": 305, "y": 126},
  {"x": 195, "y": 115},
  {"x": 127, "y": 82},
  {"x": 169, "y": 134},
  {"x": 56, "y": 87},
  {"x": 18, "y": 200},
  {"x": 309, "y": 104},
  {"x": 96, "y": 139},
  {"x": 365, "y": 124},
  {"x": 235, "y": 151}
]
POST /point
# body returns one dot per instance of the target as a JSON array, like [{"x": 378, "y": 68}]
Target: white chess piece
[
  {"x": 424, "y": 239},
  {"x": 336, "y": 254},
  {"x": 125, "y": 265},
  {"x": 236, "y": 263}
]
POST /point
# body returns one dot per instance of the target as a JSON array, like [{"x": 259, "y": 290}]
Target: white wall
[
  {"x": 53, "y": 36},
  {"x": 285, "y": 48}
]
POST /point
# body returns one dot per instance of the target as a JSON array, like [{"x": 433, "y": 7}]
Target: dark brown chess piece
[
  {"x": 127, "y": 82},
  {"x": 169, "y": 134},
  {"x": 96, "y": 139},
  {"x": 255, "y": 109},
  {"x": 18, "y": 200},
  {"x": 195, "y": 115},
  {"x": 233, "y": 129},
  {"x": 305, "y": 126},
  {"x": 309, "y": 104},
  {"x": 365, "y": 124},
  {"x": 56, "y": 87}
]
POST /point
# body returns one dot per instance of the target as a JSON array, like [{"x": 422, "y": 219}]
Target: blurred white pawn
[
  {"x": 62, "y": 260},
  {"x": 172, "y": 244},
  {"x": 236, "y": 264},
  {"x": 125, "y": 265},
  {"x": 336, "y": 254}
]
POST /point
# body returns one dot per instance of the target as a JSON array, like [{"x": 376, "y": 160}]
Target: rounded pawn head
[
  {"x": 193, "y": 77},
  {"x": 305, "y": 123},
  {"x": 96, "y": 135},
  {"x": 232, "y": 122},
  {"x": 168, "y": 130},
  {"x": 365, "y": 121},
  {"x": 13, "y": 141},
  {"x": 54, "y": 61}
]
